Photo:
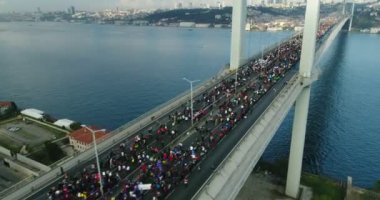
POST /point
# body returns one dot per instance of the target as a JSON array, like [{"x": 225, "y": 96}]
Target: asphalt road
[
  {"x": 212, "y": 159},
  {"x": 182, "y": 128},
  {"x": 216, "y": 156},
  {"x": 209, "y": 162}
]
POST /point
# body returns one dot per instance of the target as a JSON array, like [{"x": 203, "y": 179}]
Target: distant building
[
  {"x": 274, "y": 28},
  {"x": 364, "y": 30},
  {"x": 64, "y": 123},
  {"x": 7, "y": 108},
  {"x": 374, "y": 30},
  {"x": 178, "y": 5},
  {"x": 248, "y": 26},
  {"x": 202, "y": 25},
  {"x": 219, "y": 5},
  {"x": 298, "y": 28},
  {"x": 220, "y": 25},
  {"x": 187, "y": 24},
  {"x": 33, "y": 113},
  {"x": 140, "y": 22},
  {"x": 173, "y": 24},
  {"x": 119, "y": 22},
  {"x": 81, "y": 139},
  {"x": 4, "y": 106},
  {"x": 71, "y": 10}
]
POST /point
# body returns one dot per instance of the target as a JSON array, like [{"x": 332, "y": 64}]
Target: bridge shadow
[{"x": 323, "y": 107}]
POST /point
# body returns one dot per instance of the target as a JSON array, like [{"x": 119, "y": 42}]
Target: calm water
[
  {"x": 343, "y": 133},
  {"x": 109, "y": 75}
]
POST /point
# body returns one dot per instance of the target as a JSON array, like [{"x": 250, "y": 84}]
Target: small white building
[
  {"x": 33, "y": 113},
  {"x": 5, "y": 107},
  {"x": 140, "y": 22},
  {"x": 374, "y": 30},
  {"x": 218, "y": 17},
  {"x": 274, "y": 28},
  {"x": 64, "y": 123},
  {"x": 298, "y": 28},
  {"x": 219, "y": 26},
  {"x": 187, "y": 24},
  {"x": 202, "y": 25}
]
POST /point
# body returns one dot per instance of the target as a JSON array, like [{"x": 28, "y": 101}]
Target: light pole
[
  {"x": 96, "y": 155},
  {"x": 236, "y": 79},
  {"x": 191, "y": 97}
]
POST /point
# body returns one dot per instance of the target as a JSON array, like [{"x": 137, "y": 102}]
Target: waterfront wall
[
  {"x": 5, "y": 151},
  {"x": 18, "y": 167},
  {"x": 33, "y": 163},
  {"x": 356, "y": 193}
]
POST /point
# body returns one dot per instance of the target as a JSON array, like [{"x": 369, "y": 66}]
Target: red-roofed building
[
  {"x": 81, "y": 139},
  {"x": 5, "y": 104},
  {"x": 7, "y": 108}
]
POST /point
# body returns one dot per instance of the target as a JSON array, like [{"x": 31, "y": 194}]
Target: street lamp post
[
  {"x": 191, "y": 97},
  {"x": 236, "y": 80},
  {"x": 97, "y": 157}
]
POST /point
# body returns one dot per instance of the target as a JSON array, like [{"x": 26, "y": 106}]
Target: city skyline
[{"x": 48, "y": 5}]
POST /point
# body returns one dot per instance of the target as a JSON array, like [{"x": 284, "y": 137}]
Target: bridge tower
[
  {"x": 302, "y": 102},
  {"x": 239, "y": 15},
  {"x": 352, "y": 15},
  {"x": 344, "y": 7}
]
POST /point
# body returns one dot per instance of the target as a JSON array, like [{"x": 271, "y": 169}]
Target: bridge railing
[
  {"x": 240, "y": 147},
  {"x": 292, "y": 89},
  {"x": 126, "y": 131},
  {"x": 274, "y": 46},
  {"x": 198, "y": 89},
  {"x": 104, "y": 144},
  {"x": 328, "y": 41},
  {"x": 18, "y": 185}
]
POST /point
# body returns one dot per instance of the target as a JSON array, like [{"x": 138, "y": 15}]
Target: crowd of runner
[{"x": 150, "y": 166}]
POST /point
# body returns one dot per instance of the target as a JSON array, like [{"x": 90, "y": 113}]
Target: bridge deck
[
  {"x": 227, "y": 180},
  {"x": 153, "y": 120}
]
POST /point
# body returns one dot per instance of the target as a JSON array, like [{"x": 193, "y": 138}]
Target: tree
[
  {"x": 377, "y": 186},
  {"x": 75, "y": 126},
  {"x": 54, "y": 151}
]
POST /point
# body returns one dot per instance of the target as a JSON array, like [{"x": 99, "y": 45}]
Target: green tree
[
  {"x": 54, "y": 151},
  {"x": 377, "y": 186},
  {"x": 75, "y": 126}
]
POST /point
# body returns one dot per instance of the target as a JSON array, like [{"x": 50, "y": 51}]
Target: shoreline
[{"x": 354, "y": 30}]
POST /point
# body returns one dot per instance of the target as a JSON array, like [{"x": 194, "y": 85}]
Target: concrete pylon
[
  {"x": 302, "y": 102},
  {"x": 344, "y": 7},
  {"x": 352, "y": 15},
  {"x": 239, "y": 15}
]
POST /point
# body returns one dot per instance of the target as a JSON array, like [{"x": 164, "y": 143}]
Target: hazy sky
[{"x": 52, "y": 5}]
